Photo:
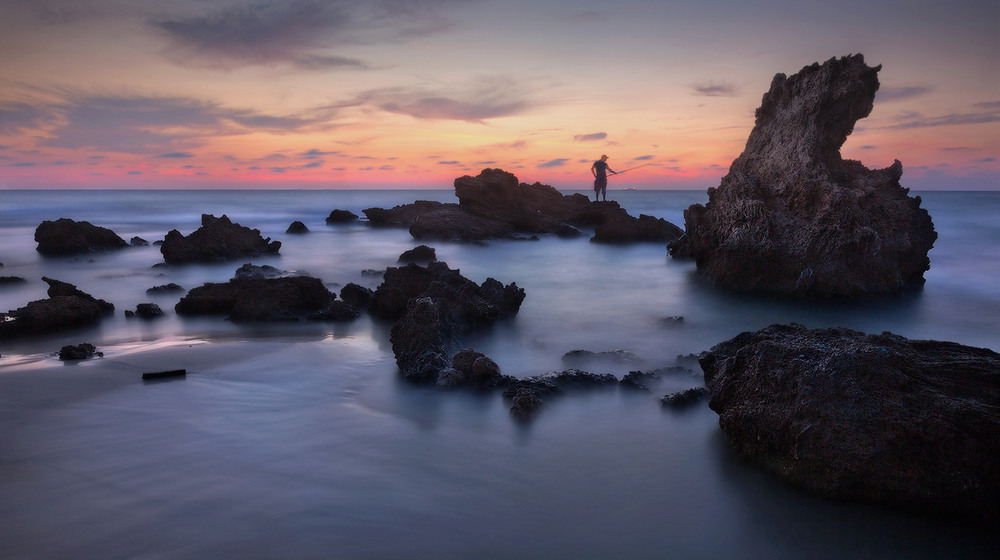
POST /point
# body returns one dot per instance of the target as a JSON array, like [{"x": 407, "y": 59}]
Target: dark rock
[
  {"x": 58, "y": 288},
  {"x": 297, "y": 227},
  {"x": 476, "y": 369},
  {"x": 792, "y": 217},
  {"x": 439, "y": 304},
  {"x": 864, "y": 417},
  {"x": 626, "y": 229},
  {"x": 10, "y": 280},
  {"x": 250, "y": 271},
  {"x": 170, "y": 288},
  {"x": 138, "y": 242},
  {"x": 145, "y": 311},
  {"x": 356, "y": 295},
  {"x": 69, "y": 237},
  {"x": 685, "y": 398},
  {"x": 371, "y": 272},
  {"x": 46, "y": 315},
  {"x": 79, "y": 352},
  {"x": 639, "y": 379},
  {"x": 341, "y": 217},
  {"x": 403, "y": 215},
  {"x": 336, "y": 311},
  {"x": 579, "y": 358},
  {"x": 154, "y": 375},
  {"x": 418, "y": 254},
  {"x": 528, "y": 395},
  {"x": 218, "y": 239},
  {"x": 263, "y": 299},
  {"x": 525, "y": 404}
]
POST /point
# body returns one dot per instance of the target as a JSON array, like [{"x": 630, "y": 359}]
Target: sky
[{"x": 337, "y": 94}]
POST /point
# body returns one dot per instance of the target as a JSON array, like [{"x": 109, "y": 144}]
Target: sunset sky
[{"x": 414, "y": 93}]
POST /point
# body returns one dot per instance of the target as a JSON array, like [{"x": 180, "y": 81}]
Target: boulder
[
  {"x": 68, "y": 237},
  {"x": 627, "y": 229},
  {"x": 341, "y": 217},
  {"x": 478, "y": 370},
  {"x": 58, "y": 288},
  {"x": 876, "y": 418},
  {"x": 418, "y": 254},
  {"x": 145, "y": 311},
  {"x": 418, "y": 343},
  {"x": 218, "y": 239},
  {"x": 78, "y": 352},
  {"x": 356, "y": 295},
  {"x": 138, "y": 242},
  {"x": 297, "y": 227},
  {"x": 47, "y": 315},
  {"x": 250, "y": 271},
  {"x": 792, "y": 217},
  {"x": 258, "y": 299}
]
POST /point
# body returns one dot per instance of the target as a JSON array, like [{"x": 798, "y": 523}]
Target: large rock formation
[
  {"x": 218, "y": 239},
  {"x": 68, "y": 237},
  {"x": 66, "y": 307},
  {"x": 866, "y": 417},
  {"x": 258, "y": 299},
  {"x": 494, "y": 205},
  {"x": 793, "y": 217}
]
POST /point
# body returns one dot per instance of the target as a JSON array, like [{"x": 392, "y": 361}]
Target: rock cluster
[
  {"x": 68, "y": 237},
  {"x": 494, "y": 205},
  {"x": 258, "y": 299},
  {"x": 218, "y": 239},
  {"x": 792, "y": 217},
  {"x": 866, "y": 417}
]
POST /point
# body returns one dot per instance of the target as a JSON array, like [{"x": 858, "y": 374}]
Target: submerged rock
[
  {"x": 418, "y": 254},
  {"x": 58, "y": 288},
  {"x": 170, "y": 288},
  {"x": 11, "y": 280},
  {"x": 145, "y": 311},
  {"x": 138, "y": 242},
  {"x": 864, "y": 417},
  {"x": 341, "y": 217},
  {"x": 793, "y": 217},
  {"x": 68, "y": 237},
  {"x": 47, "y": 315},
  {"x": 297, "y": 227},
  {"x": 685, "y": 398},
  {"x": 78, "y": 352},
  {"x": 218, "y": 239}
]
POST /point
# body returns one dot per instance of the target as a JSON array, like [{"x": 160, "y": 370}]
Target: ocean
[{"x": 300, "y": 440}]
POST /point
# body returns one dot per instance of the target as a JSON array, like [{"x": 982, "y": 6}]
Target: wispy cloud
[
  {"x": 489, "y": 98},
  {"x": 915, "y": 120},
  {"x": 590, "y": 137},
  {"x": 296, "y": 32},
  {"x": 558, "y": 162},
  {"x": 713, "y": 89},
  {"x": 15, "y": 116},
  {"x": 897, "y": 93},
  {"x": 153, "y": 125},
  {"x": 178, "y": 155}
]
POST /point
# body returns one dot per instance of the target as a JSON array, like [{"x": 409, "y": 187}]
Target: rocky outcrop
[
  {"x": 297, "y": 227},
  {"x": 11, "y": 280},
  {"x": 626, "y": 229},
  {"x": 170, "y": 288},
  {"x": 357, "y": 295},
  {"x": 58, "y": 288},
  {"x": 258, "y": 299},
  {"x": 52, "y": 314},
  {"x": 403, "y": 215},
  {"x": 341, "y": 217},
  {"x": 793, "y": 217},
  {"x": 218, "y": 239},
  {"x": 68, "y": 237},
  {"x": 145, "y": 311},
  {"x": 81, "y": 351},
  {"x": 864, "y": 417},
  {"x": 418, "y": 254},
  {"x": 432, "y": 306},
  {"x": 528, "y": 395}
]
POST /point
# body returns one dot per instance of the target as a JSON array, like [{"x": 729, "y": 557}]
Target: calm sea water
[{"x": 299, "y": 441}]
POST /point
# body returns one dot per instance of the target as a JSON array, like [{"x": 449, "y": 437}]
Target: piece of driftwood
[{"x": 164, "y": 374}]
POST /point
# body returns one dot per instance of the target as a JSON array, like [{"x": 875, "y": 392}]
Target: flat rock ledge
[
  {"x": 262, "y": 299},
  {"x": 873, "y": 418},
  {"x": 793, "y": 218},
  {"x": 218, "y": 239}
]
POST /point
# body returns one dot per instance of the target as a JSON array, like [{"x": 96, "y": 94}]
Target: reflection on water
[{"x": 300, "y": 441}]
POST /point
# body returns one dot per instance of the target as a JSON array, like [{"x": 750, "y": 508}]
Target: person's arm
[
  {"x": 593, "y": 169},
  {"x": 613, "y": 172}
]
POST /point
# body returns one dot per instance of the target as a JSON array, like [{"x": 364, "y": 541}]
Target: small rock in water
[
  {"x": 684, "y": 398},
  {"x": 79, "y": 352},
  {"x": 297, "y": 227}
]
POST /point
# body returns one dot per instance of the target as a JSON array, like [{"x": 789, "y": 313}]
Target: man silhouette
[{"x": 600, "y": 170}]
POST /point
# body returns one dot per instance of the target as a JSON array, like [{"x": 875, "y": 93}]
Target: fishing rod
[{"x": 636, "y": 167}]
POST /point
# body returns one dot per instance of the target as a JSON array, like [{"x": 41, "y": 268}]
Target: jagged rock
[
  {"x": 258, "y": 299},
  {"x": 170, "y": 288},
  {"x": 138, "y": 242},
  {"x": 639, "y": 379},
  {"x": 418, "y": 254},
  {"x": 145, "y": 311},
  {"x": 685, "y": 398},
  {"x": 626, "y": 229},
  {"x": 525, "y": 404},
  {"x": 403, "y": 215},
  {"x": 356, "y": 295},
  {"x": 68, "y": 237},
  {"x": 793, "y": 217},
  {"x": 46, "y": 315},
  {"x": 250, "y": 271},
  {"x": 528, "y": 395},
  {"x": 341, "y": 217},
  {"x": 58, "y": 288},
  {"x": 297, "y": 227},
  {"x": 78, "y": 352},
  {"x": 864, "y": 417},
  {"x": 476, "y": 369},
  {"x": 218, "y": 239},
  {"x": 10, "y": 280},
  {"x": 438, "y": 304}
]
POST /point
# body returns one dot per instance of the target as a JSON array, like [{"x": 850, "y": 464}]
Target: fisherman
[{"x": 600, "y": 170}]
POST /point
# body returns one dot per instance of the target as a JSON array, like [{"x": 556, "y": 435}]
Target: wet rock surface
[
  {"x": 258, "y": 299},
  {"x": 875, "y": 418},
  {"x": 218, "y": 239},
  {"x": 341, "y": 217},
  {"x": 81, "y": 351},
  {"x": 792, "y": 217},
  {"x": 68, "y": 237}
]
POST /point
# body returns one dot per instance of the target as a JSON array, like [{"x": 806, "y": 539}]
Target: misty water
[{"x": 300, "y": 440}]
